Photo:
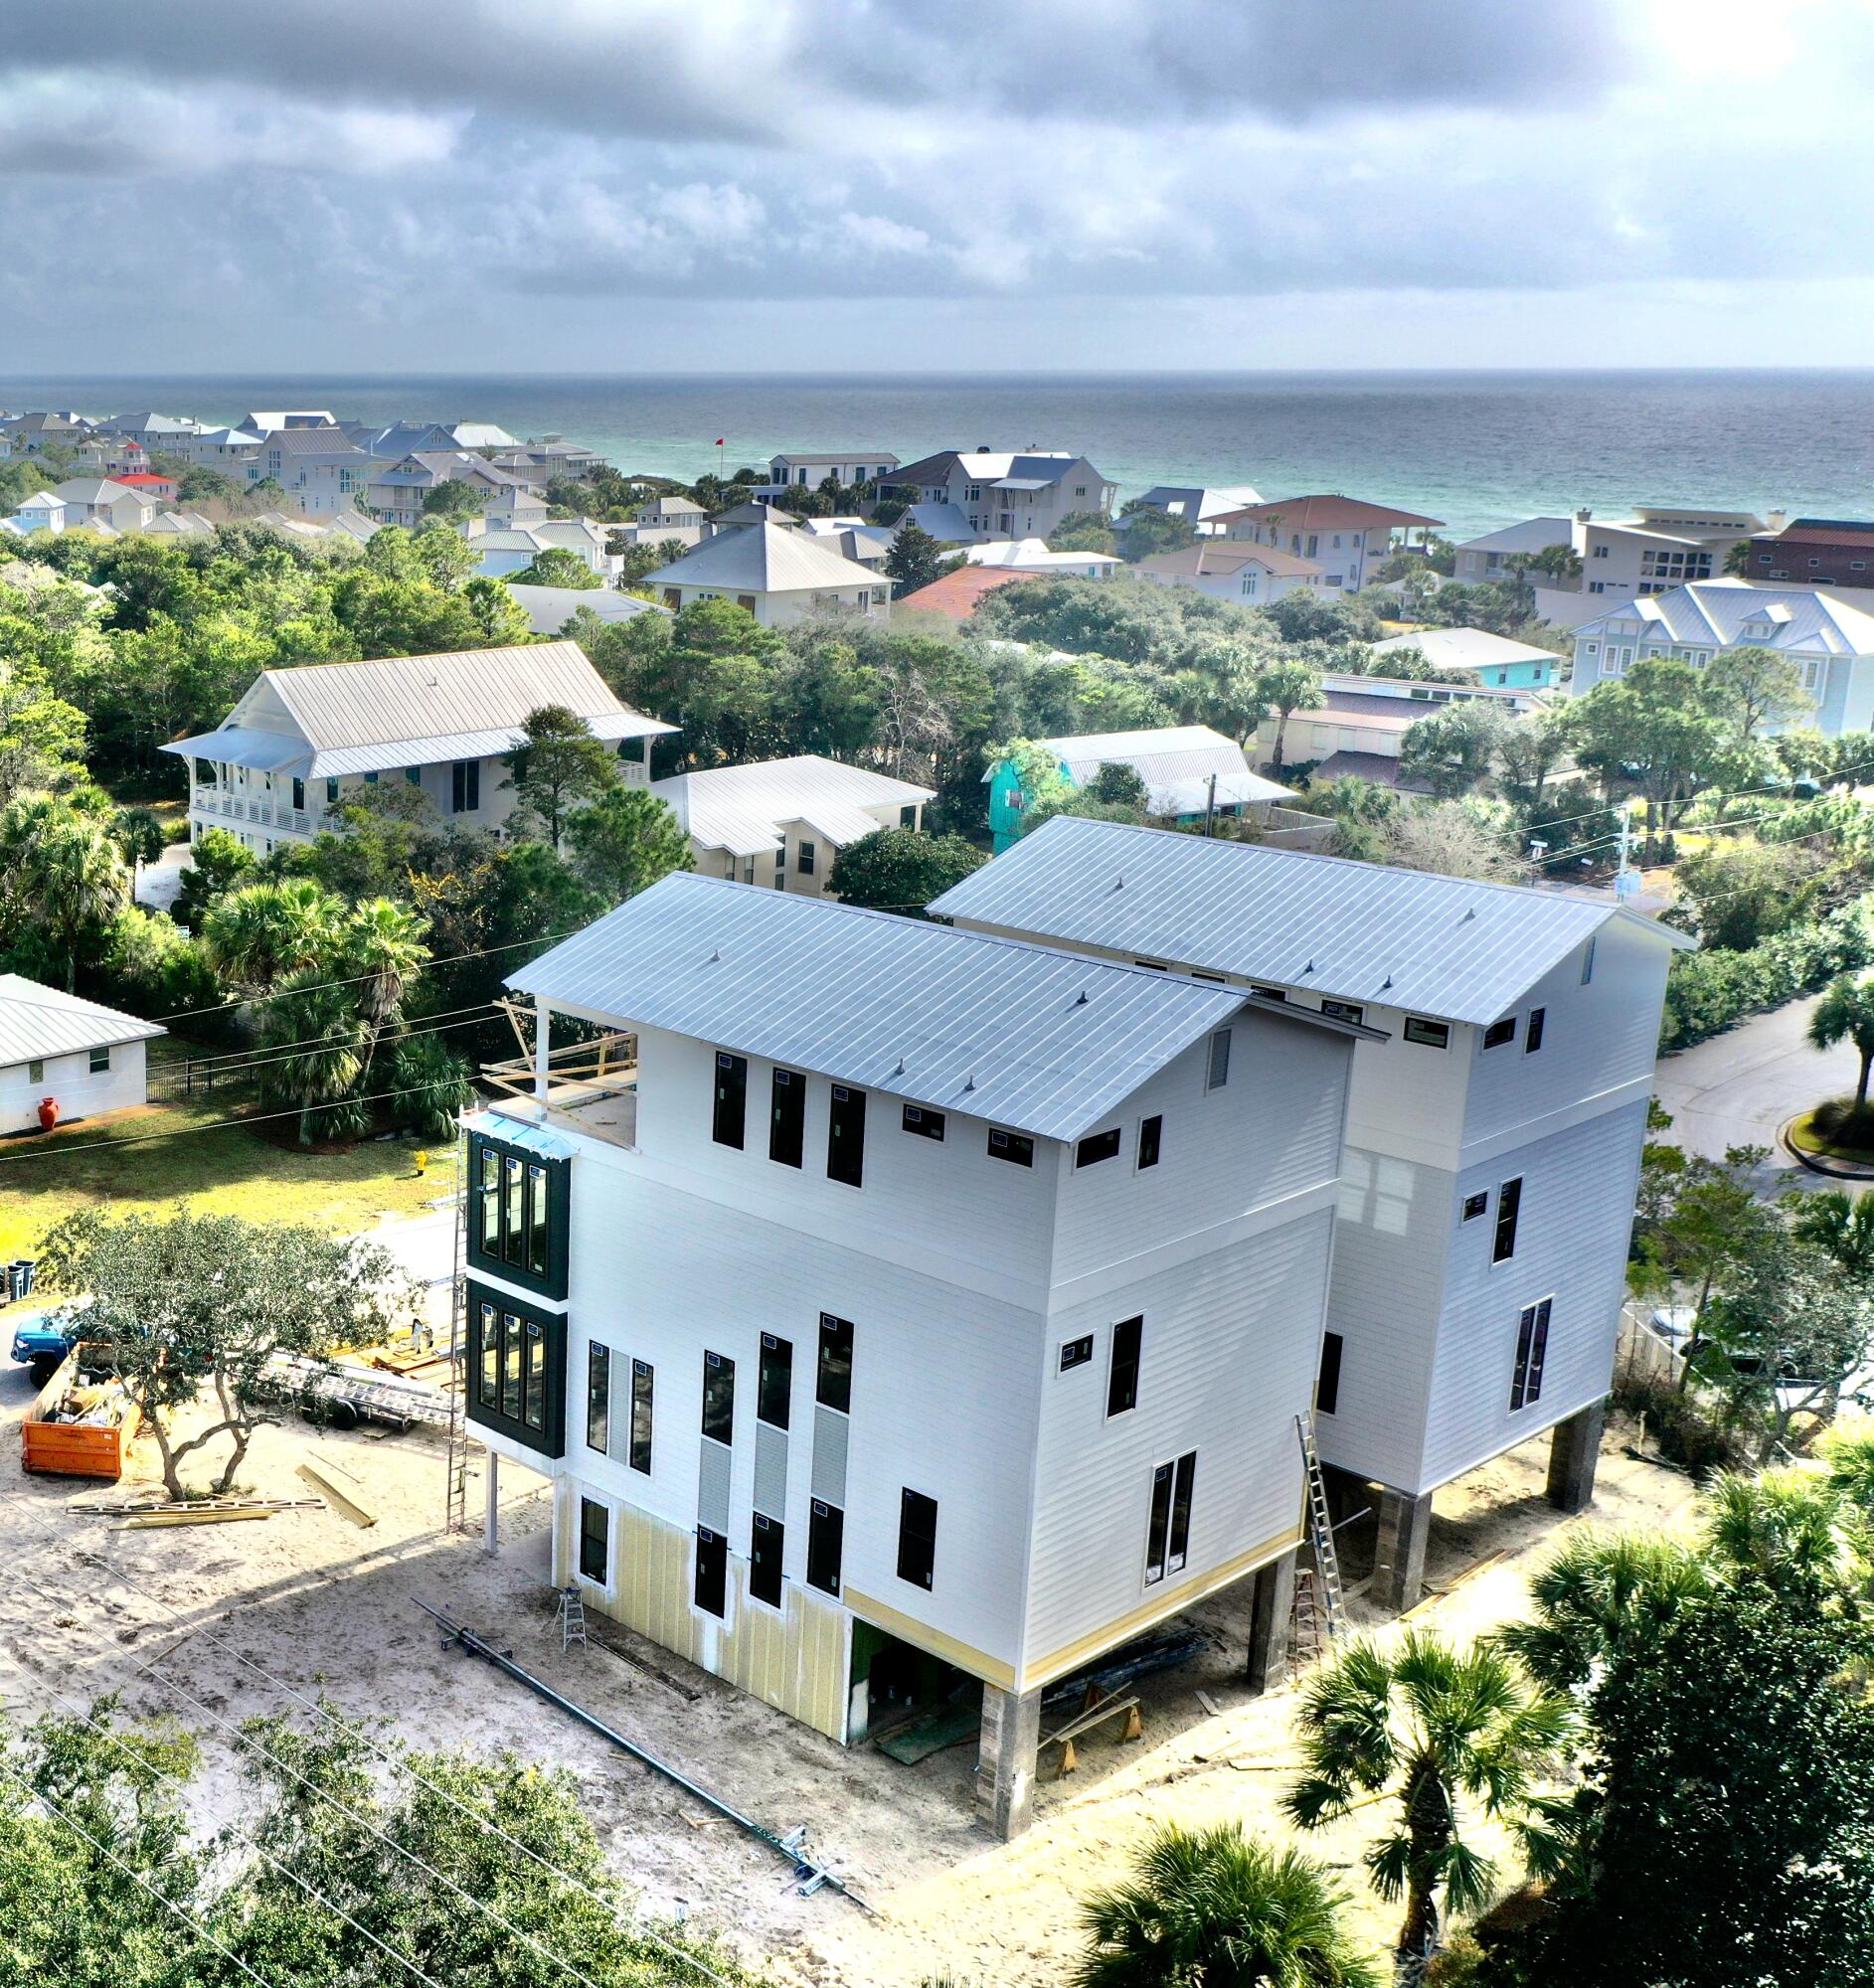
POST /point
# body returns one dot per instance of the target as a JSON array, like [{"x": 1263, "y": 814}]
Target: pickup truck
[{"x": 41, "y": 1343}]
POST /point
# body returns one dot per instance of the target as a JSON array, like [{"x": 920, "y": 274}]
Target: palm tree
[
  {"x": 1215, "y": 1908},
  {"x": 256, "y": 935},
  {"x": 1791, "y": 1530},
  {"x": 1287, "y": 688},
  {"x": 1846, "y": 1014},
  {"x": 311, "y": 1037},
  {"x": 1600, "y": 1596},
  {"x": 1427, "y": 1725},
  {"x": 381, "y": 949},
  {"x": 1839, "y": 1223},
  {"x": 62, "y": 866}
]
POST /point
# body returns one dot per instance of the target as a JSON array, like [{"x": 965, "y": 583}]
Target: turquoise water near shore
[{"x": 1476, "y": 449}]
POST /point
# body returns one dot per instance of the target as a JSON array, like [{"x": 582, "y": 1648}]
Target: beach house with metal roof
[
  {"x": 782, "y": 822},
  {"x": 301, "y": 742},
  {"x": 1829, "y": 637},
  {"x": 1249, "y": 576},
  {"x": 1494, "y": 1130},
  {"x": 905, "y": 1315},
  {"x": 778, "y": 574},
  {"x": 57, "y": 1049},
  {"x": 960, "y": 495}
]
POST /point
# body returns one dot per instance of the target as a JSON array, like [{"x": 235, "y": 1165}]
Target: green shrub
[
  {"x": 1683, "y": 1428},
  {"x": 1708, "y": 991}
]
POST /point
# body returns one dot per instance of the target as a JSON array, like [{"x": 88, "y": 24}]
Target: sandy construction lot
[{"x": 233, "y": 1614}]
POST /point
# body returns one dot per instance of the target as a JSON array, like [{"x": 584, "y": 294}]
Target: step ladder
[
  {"x": 1324, "y": 1586},
  {"x": 571, "y": 1617},
  {"x": 1308, "y": 1638}
]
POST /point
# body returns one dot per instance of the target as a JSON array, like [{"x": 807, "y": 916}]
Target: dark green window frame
[
  {"x": 517, "y": 1215},
  {"x": 516, "y": 1370}
]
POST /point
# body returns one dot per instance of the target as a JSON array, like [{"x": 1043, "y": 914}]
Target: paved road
[
  {"x": 1737, "y": 1089},
  {"x": 157, "y": 883}
]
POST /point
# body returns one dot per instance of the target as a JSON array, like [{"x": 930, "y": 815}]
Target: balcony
[
  {"x": 591, "y": 1087},
  {"x": 233, "y": 804}
]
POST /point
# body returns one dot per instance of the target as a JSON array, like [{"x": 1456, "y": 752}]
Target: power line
[
  {"x": 424, "y": 1025},
  {"x": 211, "y": 1063},
  {"x": 104, "y": 1849}
]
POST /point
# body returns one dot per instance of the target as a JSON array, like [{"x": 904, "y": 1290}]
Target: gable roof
[
  {"x": 1466, "y": 648},
  {"x": 742, "y": 808},
  {"x": 1047, "y": 1043},
  {"x": 1037, "y": 467},
  {"x": 1533, "y": 535},
  {"x": 1327, "y": 513},
  {"x": 1811, "y": 619},
  {"x": 548, "y": 608},
  {"x": 955, "y": 595},
  {"x": 1176, "y": 762},
  {"x": 360, "y": 718},
  {"x": 37, "y": 1021},
  {"x": 763, "y": 559},
  {"x": 1224, "y": 557},
  {"x": 1324, "y": 924}
]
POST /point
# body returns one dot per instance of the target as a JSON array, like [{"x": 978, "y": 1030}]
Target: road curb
[{"x": 1849, "y": 1170}]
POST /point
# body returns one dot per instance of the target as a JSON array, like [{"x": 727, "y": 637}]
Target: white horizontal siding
[
  {"x": 1228, "y": 1356},
  {"x": 70, "y": 1080},
  {"x": 1571, "y": 1243}
]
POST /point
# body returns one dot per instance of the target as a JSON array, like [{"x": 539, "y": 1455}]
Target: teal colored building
[
  {"x": 1497, "y": 662},
  {"x": 1177, "y": 763}
]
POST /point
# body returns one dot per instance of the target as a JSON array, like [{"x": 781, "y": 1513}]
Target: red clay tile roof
[
  {"x": 1325, "y": 514},
  {"x": 955, "y": 595}
]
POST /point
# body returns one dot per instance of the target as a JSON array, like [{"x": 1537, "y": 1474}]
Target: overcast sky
[{"x": 882, "y": 185}]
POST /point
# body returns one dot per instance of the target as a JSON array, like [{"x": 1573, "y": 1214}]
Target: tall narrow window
[
  {"x": 510, "y": 1366},
  {"x": 1217, "y": 1073},
  {"x": 719, "y": 1398},
  {"x": 491, "y": 1201},
  {"x": 1123, "y": 1373},
  {"x": 534, "y": 1373},
  {"x": 537, "y": 1221},
  {"x": 764, "y": 1560},
  {"x": 846, "y": 1137},
  {"x": 712, "y": 1572},
  {"x": 788, "y": 1117},
  {"x": 1532, "y": 1042},
  {"x": 641, "y": 1380},
  {"x": 1150, "y": 1131},
  {"x": 598, "y": 1396},
  {"x": 731, "y": 1096},
  {"x": 514, "y": 1215},
  {"x": 490, "y": 1358},
  {"x": 774, "y": 1381},
  {"x": 594, "y": 1540},
  {"x": 916, "y": 1539},
  {"x": 1168, "y": 1525},
  {"x": 804, "y": 858},
  {"x": 833, "y": 1388},
  {"x": 1509, "y": 1201},
  {"x": 465, "y": 786},
  {"x": 1328, "y": 1385},
  {"x": 1532, "y": 1347},
  {"x": 826, "y": 1533}
]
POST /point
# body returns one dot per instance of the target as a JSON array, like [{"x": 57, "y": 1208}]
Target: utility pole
[
  {"x": 1210, "y": 808},
  {"x": 1625, "y": 881}
]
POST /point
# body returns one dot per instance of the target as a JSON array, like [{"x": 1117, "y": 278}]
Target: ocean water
[{"x": 1476, "y": 449}]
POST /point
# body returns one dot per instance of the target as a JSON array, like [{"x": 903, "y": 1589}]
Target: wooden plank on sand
[{"x": 347, "y": 1501}]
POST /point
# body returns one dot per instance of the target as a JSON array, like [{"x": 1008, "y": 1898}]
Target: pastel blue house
[
  {"x": 1177, "y": 763},
  {"x": 1496, "y": 661}
]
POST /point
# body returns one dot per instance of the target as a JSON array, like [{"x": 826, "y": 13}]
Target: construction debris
[
  {"x": 137, "y": 1507},
  {"x": 348, "y": 1502},
  {"x": 203, "y": 1515}
]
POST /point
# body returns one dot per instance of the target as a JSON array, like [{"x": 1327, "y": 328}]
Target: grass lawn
[{"x": 115, "y": 1163}]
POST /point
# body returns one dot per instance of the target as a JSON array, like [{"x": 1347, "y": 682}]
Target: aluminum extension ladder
[{"x": 1324, "y": 1591}]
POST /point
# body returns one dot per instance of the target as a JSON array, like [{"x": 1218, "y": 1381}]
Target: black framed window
[
  {"x": 598, "y": 1396},
  {"x": 1327, "y": 1382},
  {"x": 517, "y": 1369},
  {"x": 1015, "y": 1147},
  {"x": 99, "y": 1059},
  {"x": 1509, "y": 1202},
  {"x": 1499, "y": 1033},
  {"x": 774, "y": 1381},
  {"x": 833, "y": 1385},
  {"x": 299, "y": 794},
  {"x": 1098, "y": 1147},
  {"x": 827, "y": 1535},
  {"x": 766, "y": 1541},
  {"x": 846, "y": 1135},
  {"x": 1532, "y": 1347},
  {"x": 1168, "y": 1528},
  {"x": 916, "y": 1539},
  {"x": 594, "y": 1540},
  {"x": 1150, "y": 1131},
  {"x": 712, "y": 1572},
  {"x": 1122, "y": 1373},
  {"x": 1269, "y": 993},
  {"x": 732, "y": 1099},
  {"x": 1475, "y": 1205},
  {"x": 1217, "y": 1070},
  {"x": 1077, "y": 1353},
  {"x": 719, "y": 1397},
  {"x": 643, "y": 1380},
  {"x": 1427, "y": 1032},
  {"x": 464, "y": 786},
  {"x": 1532, "y": 1037},
  {"x": 787, "y": 1118},
  {"x": 805, "y": 855},
  {"x": 517, "y": 1217},
  {"x": 1343, "y": 1011},
  {"x": 924, "y": 1122}
]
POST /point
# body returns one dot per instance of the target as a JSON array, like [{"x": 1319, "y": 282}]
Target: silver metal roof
[
  {"x": 38, "y": 1021},
  {"x": 1322, "y": 925},
  {"x": 742, "y": 809},
  {"x": 1046, "y": 1041}
]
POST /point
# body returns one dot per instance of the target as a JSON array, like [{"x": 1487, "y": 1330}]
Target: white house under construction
[{"x": 915, "y": 1297}]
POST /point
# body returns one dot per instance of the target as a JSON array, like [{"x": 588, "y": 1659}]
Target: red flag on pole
[{"x": 720, "y": 441}]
